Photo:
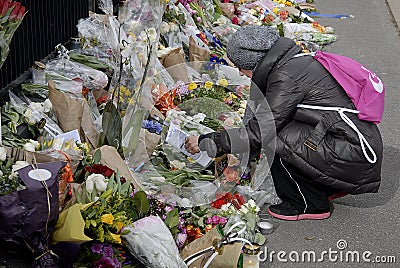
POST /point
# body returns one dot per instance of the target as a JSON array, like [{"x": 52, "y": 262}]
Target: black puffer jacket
[{"x": 334, "y": 156}]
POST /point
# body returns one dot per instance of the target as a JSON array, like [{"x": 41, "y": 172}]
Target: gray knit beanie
[{"x": 250, "y": 44}]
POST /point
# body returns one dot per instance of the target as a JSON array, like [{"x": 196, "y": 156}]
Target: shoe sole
[{"x": 320, "y": 216}]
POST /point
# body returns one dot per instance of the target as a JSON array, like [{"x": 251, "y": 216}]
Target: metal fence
[{"x": 47, "y": 23}]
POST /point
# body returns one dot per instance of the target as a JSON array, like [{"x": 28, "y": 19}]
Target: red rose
[{"x": 235, "y": 20}]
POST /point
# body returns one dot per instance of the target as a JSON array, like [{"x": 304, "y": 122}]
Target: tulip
[
  {"x": 21, "y": 13},
  {"x": 15, "y": 11},
  {"x": 4, "y": 8}
]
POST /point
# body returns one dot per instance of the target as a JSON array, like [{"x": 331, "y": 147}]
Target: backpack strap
[{"x": 315, "y": 138}]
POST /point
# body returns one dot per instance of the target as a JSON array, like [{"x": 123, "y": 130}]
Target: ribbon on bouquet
[{"x": 218, "y": 244}]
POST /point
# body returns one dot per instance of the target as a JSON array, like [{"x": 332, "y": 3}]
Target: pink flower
[{"x": 180, "y": 240}]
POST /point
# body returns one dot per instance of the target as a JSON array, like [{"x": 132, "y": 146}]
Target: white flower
[
  {"x": 251, "y": 203},
  {"x": 252, "y": 12},
  {"x": 36, "y": 106},
  {"x": 31, "y": 146},
  {"x": 164, "y": 52},
  {"x": 1, "y": 173},
  {"x": 149, "y": 35},
  {"x": 243, "y": 104},
  {"x": 177, "y": 164},
  {"x": 47, "y": 106},
  {"x": 18, "y": 165},
  {"x": 3, "y": 154},
  {"x": 89, "y": 185},
  {"x": 173, "y": 27},
  {"x": 243, "y": 209},
  {"x": 225, "y": 207},
  {"x": 29, "y": 117},
  {"x": 164, "y": 27},
  {"x": 98, "y": 180}
]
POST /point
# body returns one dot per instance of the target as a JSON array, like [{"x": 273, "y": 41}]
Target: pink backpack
[
  {"x": 364, "y": 88},
  {"x": 362, "y": 85}
]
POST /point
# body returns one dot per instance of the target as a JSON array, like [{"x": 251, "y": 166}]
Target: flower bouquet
[
  {"x": 147, "y": 232},
  {"x": 11, "y": 15},
  {"x": 23, "y": 222}
]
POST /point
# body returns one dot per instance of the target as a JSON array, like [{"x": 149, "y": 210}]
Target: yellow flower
[
  {"x": 107, "y": 218},
  {"x": 208, "y": 84},
  {"x": 223, "y": 82},
  {"x": 115, "y": 238},
  {"x": 276, "y": 10},
  {"x": 192, "y": 86},
  {"x": 288, "y": 3},
  {"x": 118, "y": 225}
]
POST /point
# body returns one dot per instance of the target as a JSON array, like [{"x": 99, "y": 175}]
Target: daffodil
[
  {"x": 192, "y": 86},
  {"x": 208, "y": 85},
  {"x": 118, "y": 225},
  {"x": 107, "y": 218},
  {"x": 223, "y": 82},
  {"x": 116, "y": 238}
]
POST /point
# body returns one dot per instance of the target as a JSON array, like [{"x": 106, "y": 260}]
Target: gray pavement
[{"x": 368, "y": 222}]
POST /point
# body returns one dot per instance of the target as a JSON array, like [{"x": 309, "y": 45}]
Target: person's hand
[{"x": 192, "y": 144}]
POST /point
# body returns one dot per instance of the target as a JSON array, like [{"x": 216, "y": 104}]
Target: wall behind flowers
[{"x": 47, "y": 23}]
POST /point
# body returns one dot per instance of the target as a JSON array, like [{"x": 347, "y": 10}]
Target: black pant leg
[{"x": 293, "y": 186}]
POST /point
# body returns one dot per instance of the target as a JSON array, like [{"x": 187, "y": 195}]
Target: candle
[
  {"x": 250, "y": 256},
  {"x": 265, "y": 227}
]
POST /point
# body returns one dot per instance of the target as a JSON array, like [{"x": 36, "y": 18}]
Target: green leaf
[
  {"x": 135, "y": 125},
  {"x": 259, "y": 239},
  {"x": 110, "y": 184},
  {"x": 172, "y": 218},
  {"x": 125, "y": 188},
  {"x": 141, "y": 202},
  {"x": 125, "y": 232},
  {"x": 118, "y": 178},
  {"x": 112, "y": 126},
  {"x": 200, "y": 222},
  {"x": 97, "y": 157},
  {"x": 106, "y": 194},
  {"x": 93, "y": 222}
]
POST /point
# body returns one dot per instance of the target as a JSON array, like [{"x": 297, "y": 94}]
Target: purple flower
[
  {"x": 208, "y": 221},
  {"x": 215, "y": 220},
  {"x": 97, "y": 248},
  {"x": 168, "y": 208},
  {"x": 182, "y": 90},
  {"x": 180, "y": 240},
  {"x": 108, "y": 250},
  {"x": 107, "y": 262}
]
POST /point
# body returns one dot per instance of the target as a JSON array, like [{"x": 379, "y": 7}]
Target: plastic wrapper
[
  {"x": 224, "y": 32},
  {"x": 99, "y": 34},
  {"x": 67, "y": 85},
  {"x": 92, "y": 79},
  {"x": 27, "y": 223},
  {"x": 150, "y": 231},
  {"x": 50, "y": 126}
]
